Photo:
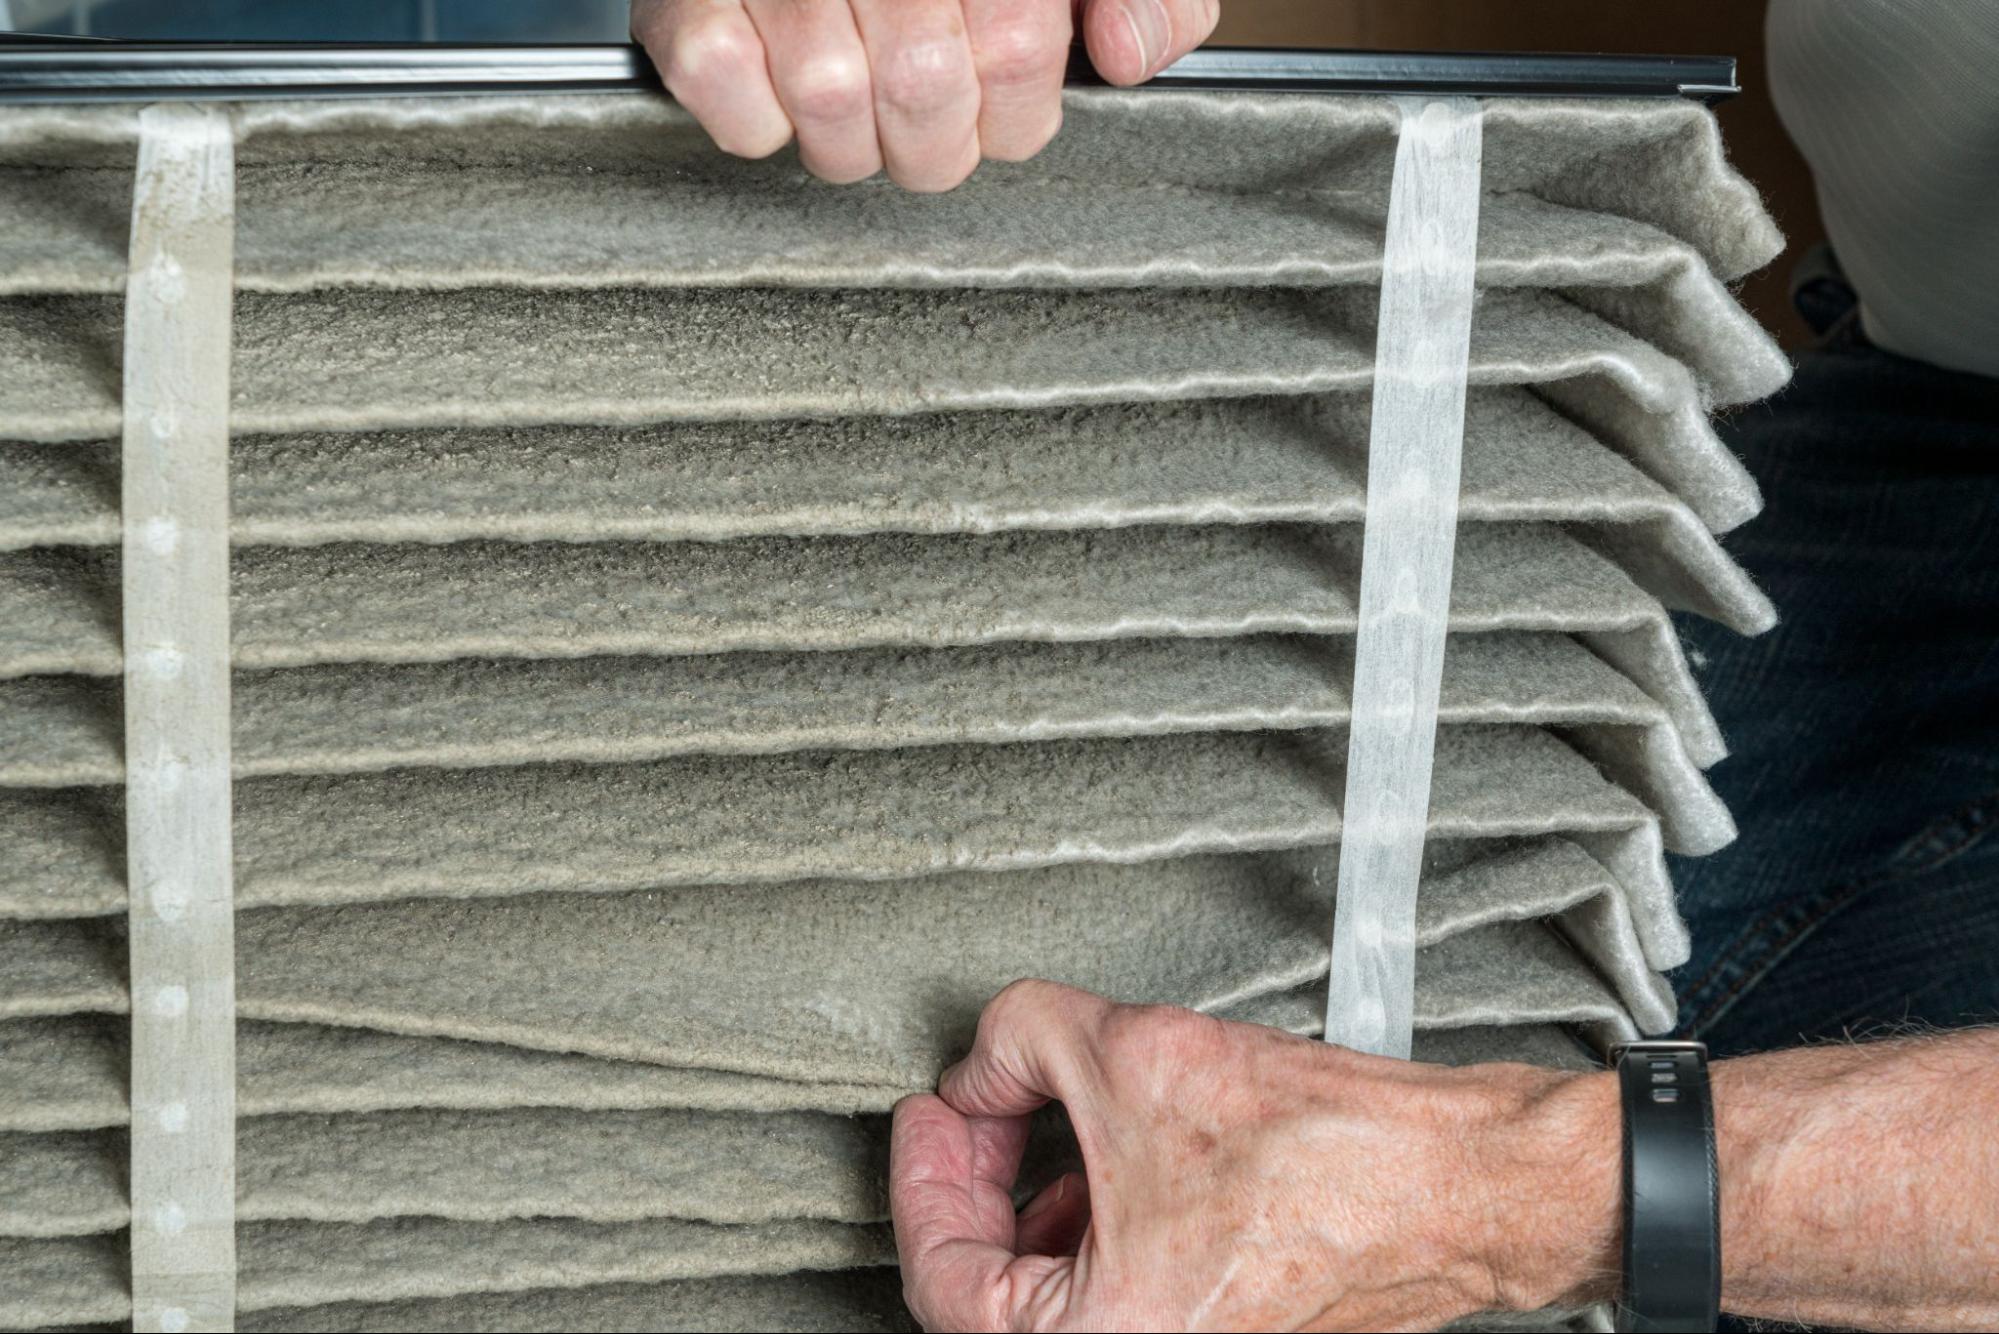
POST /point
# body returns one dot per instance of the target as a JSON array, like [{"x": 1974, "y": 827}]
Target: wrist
[{"x": 1554, "y": 1191}]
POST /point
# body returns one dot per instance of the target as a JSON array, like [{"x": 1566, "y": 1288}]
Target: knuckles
[
  {"x": 830, "y": 90},
  {"x": 705, "y": 56},
  {"x": 1020, "y": 60},
  {"x": 1022, "y": 1005},
  {"x": 1021, "y": 50},
  {"x": 926, "y": 79},
  {"x": 707, "y": 51},
  {"x": 925, "y": 76}
]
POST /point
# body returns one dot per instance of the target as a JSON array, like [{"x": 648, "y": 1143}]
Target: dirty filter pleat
[
  {"x": 1422, "y": 358},
  {"x": 177, "y": 810}
]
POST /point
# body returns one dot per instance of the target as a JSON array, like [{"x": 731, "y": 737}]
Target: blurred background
[{"x": 1703, "y": 27}]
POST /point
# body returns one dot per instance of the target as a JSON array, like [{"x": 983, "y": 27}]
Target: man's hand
[
  {"x": 1240, "y": 1178},
  {"x": 924, "y": 87}
]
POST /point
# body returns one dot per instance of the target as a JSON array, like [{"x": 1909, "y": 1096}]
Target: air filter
[{"x": 695, "y": 633}]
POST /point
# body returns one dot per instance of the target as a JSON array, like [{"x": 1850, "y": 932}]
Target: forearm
[
  {"x": 1237, "y": 1177},
  {"x": 1859, "y": 1185}
]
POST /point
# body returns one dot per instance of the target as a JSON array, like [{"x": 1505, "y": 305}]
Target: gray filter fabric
[
  {"x": 698, "y": 633},
  {"x": 812, "y": 1003},
  {"x": 69, "y": 1074}
]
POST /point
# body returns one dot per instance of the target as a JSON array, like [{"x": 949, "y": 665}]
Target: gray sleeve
[{"x": 1895, "y": 103}]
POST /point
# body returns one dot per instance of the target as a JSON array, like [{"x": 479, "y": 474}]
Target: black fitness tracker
[{"x": 1672, "y": 1189}]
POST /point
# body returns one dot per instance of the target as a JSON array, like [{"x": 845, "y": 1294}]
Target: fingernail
[
  {"x": 1150, "y": 29},
  {"x": 1047, "y": 1200}
]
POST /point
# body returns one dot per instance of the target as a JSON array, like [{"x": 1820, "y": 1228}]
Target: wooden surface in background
[{"x": 1756, "y": 139}]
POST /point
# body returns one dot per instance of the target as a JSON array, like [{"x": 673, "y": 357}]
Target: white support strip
[
  {"x": 1416, "y": 440},
  {"x": 177, "y": 790}
]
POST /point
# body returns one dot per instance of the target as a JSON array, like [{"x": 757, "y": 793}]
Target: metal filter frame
[{"x": 36, "y": 69}]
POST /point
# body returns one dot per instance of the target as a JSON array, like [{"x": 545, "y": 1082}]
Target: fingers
[
  {"x": 1053, "y": 1223},
  {"x": 997, "y": 1145},
  {"x": 819, "y": 68},
  {"x": 1021, "y": 53},
  {"x": 967, "y": 1261},
  {"x": 712, "y": 61},
  {"x": 926, "y": 90},
  {"x": 1032, "y": 1048},
  {"x": 923, "y": 87},
  {"x": 1132, "y": 40},
  {"x": 949, "y": 1195},
  {"x": 942, "y": 1175}
]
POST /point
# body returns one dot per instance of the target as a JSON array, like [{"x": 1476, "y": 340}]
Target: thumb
[
  {"x": 1132, "y": 40},
  {"x": 1032, "y": 1048}
]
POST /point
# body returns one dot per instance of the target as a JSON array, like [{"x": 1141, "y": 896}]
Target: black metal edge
[
  {"x": 152, "y": 71},
  {"x": 1471, "y": 73}
]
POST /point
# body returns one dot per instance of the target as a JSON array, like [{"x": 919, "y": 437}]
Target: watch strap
[{"x": 1672, "y": 1189}]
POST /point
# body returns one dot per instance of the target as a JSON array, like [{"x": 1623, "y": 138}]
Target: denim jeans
[{"x": 1863, "y": 894}]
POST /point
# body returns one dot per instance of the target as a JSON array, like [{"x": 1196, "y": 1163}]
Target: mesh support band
[
  {"x": 1416, "y": 441},
  {"x": 176, "y": 636}
]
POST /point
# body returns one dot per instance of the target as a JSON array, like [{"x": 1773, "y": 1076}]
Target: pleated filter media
[{"x": 697, "y": 633}]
